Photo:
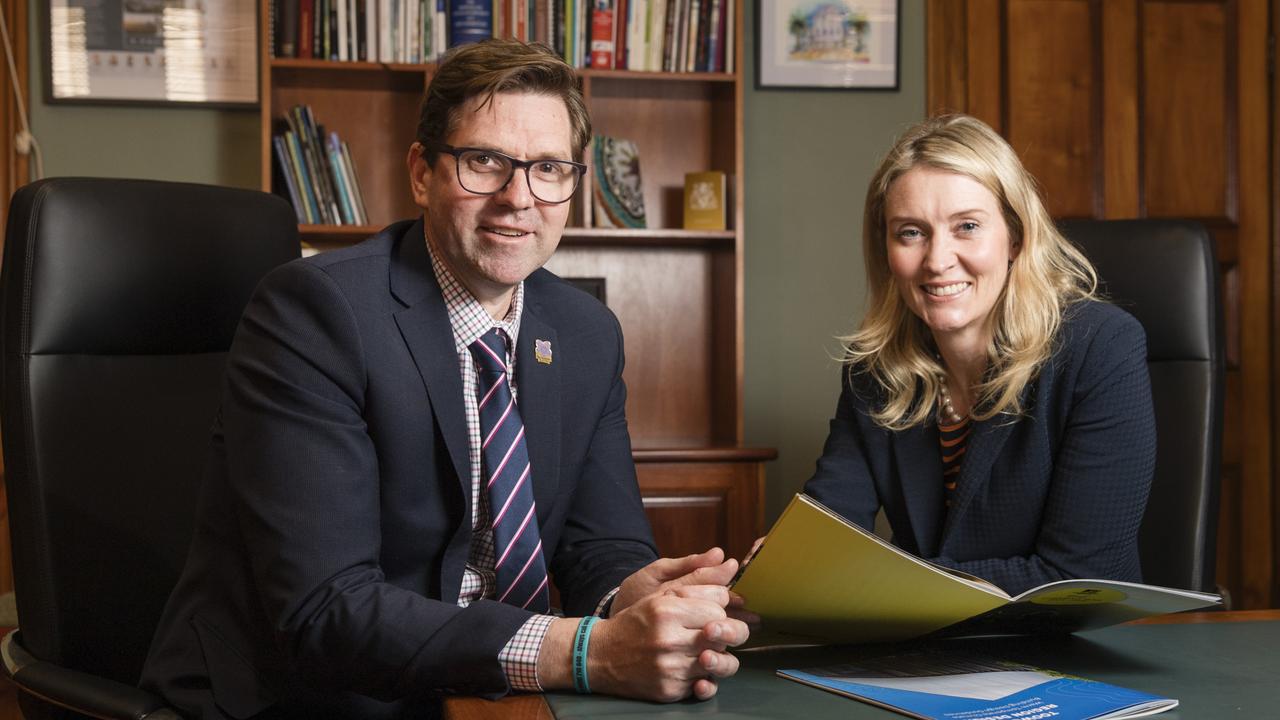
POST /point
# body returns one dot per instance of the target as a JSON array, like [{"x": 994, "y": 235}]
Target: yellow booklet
[{"x": 820, "y": 579}]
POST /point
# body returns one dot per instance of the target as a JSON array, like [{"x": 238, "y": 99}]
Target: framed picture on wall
[
  {"x": 827, "y": 44},
  {"x": 189, "y": 52}
]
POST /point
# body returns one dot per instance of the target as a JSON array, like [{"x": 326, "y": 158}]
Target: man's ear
[{"x": 419, "y": 174}]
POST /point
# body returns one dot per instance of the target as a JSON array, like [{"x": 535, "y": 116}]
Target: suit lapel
[
  {"x": 919, "y": 464},
  {"x": 538, "y": 383},
  {"x": 424, "y": 325},
  {"x": 985, "y": 442}
]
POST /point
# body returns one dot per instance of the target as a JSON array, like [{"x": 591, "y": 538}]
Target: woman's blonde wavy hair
[{"x": 896, "y": 348}]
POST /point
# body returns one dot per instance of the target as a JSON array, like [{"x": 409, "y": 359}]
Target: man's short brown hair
[{"x": 493, "y": 66}]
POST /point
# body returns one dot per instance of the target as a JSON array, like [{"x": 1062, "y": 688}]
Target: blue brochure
[{"x": 943, "y": 686}]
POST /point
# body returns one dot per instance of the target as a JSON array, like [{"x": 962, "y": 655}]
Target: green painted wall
[
  {"x": 219, "y": 147},
  {"x": 809, "y": 156}
]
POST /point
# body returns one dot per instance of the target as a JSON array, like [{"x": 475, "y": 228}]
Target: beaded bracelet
[{"x": 580, "y": 640}]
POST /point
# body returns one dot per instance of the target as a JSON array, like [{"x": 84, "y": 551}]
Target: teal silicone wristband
[{"x": 580, "y": 640}]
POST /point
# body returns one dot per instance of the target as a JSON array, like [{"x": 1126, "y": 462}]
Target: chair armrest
[{"x": 78, "y": 691}]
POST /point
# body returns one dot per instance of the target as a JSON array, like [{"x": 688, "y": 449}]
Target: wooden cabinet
[
  {"x": 677, "y": 293},
  {"x": 703, "y": 498}
]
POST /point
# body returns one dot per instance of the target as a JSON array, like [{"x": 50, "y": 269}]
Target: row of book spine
[
  {"x": 644, "y": 35},
  {"x": 663, "y": 35},
  {"x": 318, "y": 172},
  {"x": 388, "y": 31}
]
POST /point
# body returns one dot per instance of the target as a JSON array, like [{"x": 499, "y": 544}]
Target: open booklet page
[{"x": 944, "y": 686}]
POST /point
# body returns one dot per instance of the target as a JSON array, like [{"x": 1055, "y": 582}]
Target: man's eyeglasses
[{"x": 487, "y": 172}]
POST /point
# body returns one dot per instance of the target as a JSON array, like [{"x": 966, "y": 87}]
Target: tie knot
[{"x": 490, "y": 351}]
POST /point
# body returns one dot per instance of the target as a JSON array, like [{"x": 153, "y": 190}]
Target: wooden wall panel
[
  {"x": 1186, "y": 118},
  {"x": 1052, "y": 101},
  {"x": 946, "y": 44},
  {"x": 1257, "y": 580},
  {"x": 1120, "y": 140},
  {"x": 983, "y": 57}
]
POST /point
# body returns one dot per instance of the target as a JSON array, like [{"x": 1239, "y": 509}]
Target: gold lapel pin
[{"x": 542, "y": 351}]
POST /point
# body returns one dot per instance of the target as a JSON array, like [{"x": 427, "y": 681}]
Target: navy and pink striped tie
[{"x": 521, "y": 571}]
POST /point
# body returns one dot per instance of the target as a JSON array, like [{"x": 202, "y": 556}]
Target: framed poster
[
  {"x": 832, "y": 44},
  {"x": 151, "y": 51}
]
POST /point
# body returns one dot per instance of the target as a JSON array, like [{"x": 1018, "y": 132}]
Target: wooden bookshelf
[{"x": 677, "y": 293}]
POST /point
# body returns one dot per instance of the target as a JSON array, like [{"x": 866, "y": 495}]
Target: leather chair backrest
[
  {"x": 1164, "y": 272},
  {"x": 120, "y": 299}
]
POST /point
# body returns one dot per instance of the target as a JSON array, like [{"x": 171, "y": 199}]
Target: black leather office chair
[
  {"x": 1164, "y": 272},
  {"x": 120, "y": 298}
]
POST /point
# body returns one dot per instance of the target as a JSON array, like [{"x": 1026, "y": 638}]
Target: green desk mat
[{"x": 1216, "y": 670}]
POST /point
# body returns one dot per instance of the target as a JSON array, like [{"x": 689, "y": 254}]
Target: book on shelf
[
  {"x": 346, "y": 201},
  {"x": 469, "y": 21},
  {"x": 582, "y": 41},
  {"x": 440, "y": 39},
  {"x": 341, "y": 31},
  {"x": 620, "y": 42},
  {"x": 570, "y": 50},
  {"x": 350, "y": 168},
  {"x": 938, "y": 685},
  {"x": 302, "y": 178},
  {"x": 670, "y": 36},
  {"x": 286, "y": 25},
  {"x": 326, "y": 21},
  {"x": 362, "y": 29},
  {"x": 655, "y": 33},
  {"x": 705, "y": 206},
  {"x": 556, "y": 28},
  {"x": 729, "y": 34},
  {"x": 617, "y": 195},
  {"x": 602, "y": 34},
  {"x": 818, "y": 578},
  {"x": 285, "y": 172},
  {"x": 305, "y": 45},
  {"x": 703, "y": 40},
  {"x": 714, "y": 61},
  {"x": 689, "y": 52}
]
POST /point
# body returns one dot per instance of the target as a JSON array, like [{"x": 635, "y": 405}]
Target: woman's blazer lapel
[
  {"x": 919, "y": 467},
  {"x": 986, "y": 439}
]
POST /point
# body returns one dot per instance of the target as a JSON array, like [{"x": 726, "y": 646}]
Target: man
[{"x": 416, "y": 431}]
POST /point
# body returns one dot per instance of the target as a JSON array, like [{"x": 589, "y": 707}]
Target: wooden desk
[{"x": 534, "y": 707}]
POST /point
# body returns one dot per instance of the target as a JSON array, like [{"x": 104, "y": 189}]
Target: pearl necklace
[{"x": 946, "y": 410}]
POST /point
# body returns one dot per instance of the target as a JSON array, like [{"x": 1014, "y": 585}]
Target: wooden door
[{"x": 1148, "y": 108}]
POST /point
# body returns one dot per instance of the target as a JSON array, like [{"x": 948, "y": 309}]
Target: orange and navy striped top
[{"x": 954, "y": 439}]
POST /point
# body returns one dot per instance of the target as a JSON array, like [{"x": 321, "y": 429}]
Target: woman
[{"x": 993, "y": 407}]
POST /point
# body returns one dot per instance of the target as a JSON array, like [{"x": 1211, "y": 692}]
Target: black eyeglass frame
[{"x": 457, "y": 152}]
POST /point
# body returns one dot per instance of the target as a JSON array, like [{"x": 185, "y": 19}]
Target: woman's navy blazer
[{"x": 1055, "y": 493}]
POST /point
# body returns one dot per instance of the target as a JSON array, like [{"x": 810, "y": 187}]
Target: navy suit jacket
[
  {"x": 335, "y": 516},
  {"x": 1056, "y": 493}
]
